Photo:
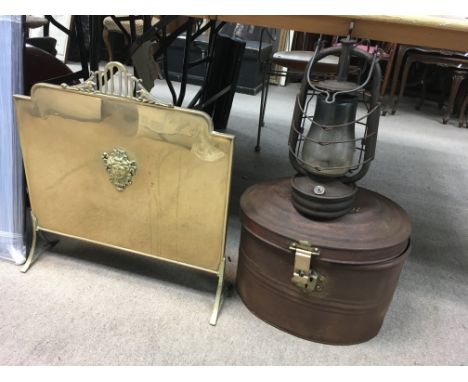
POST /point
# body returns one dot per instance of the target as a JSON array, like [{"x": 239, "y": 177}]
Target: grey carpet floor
[{"x": 84, "y": 305}]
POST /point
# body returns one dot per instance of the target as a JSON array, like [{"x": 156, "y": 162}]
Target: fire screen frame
[{"x": 115, "y": 147}]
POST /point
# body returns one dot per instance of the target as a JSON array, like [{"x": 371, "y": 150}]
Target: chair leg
[
  {"x": 388, "y": 71},
  {"x": 462, "y": 118},
  {"x": 443, "y": 78},
  {"x": 402, "y": 49},
  {"x": 404, "y": 78},
  {"x": 424, "y": 88},
  {"x": 260, "y": 120},
  {"x": 265, "y": 87},
  {"x": 457, "y": 79},
  {"x": 105, "y": 37},
  {"x": 263, "y": 99}
]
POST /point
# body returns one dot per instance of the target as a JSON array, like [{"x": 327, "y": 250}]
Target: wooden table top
[{"x": 430, "y": 31}]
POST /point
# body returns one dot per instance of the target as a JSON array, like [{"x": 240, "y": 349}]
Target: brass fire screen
[{"x": 127, "y": 172}]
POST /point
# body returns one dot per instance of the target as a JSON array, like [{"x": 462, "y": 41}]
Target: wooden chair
[
  {"x": 130, "y": 27},
  {"x": 45, "y": 42},
  {"x": 401, "y": 55},
  {"x": 457, "y": 66},
  {"x": 295, "y": 62}
]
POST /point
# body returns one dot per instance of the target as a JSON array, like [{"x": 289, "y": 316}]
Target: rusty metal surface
[
  {"x": 359, "y": 282},
  {"x": 376, "y": 229}
]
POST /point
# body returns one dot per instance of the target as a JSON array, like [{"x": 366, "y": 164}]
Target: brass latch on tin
[{"x": 303, "y": 276}]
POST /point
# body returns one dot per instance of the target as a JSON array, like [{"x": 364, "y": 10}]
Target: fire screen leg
[
  {"x": 219, "y": 294},
  {"x": 29, "y": 260}
]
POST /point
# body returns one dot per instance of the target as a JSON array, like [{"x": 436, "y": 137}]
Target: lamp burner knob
[{"x": 319, "y": 190}]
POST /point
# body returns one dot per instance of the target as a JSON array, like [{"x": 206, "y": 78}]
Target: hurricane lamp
[{"x": 334, "y": 131}]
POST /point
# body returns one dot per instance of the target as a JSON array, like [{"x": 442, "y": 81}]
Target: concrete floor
[{"x": 84, "y": 305}]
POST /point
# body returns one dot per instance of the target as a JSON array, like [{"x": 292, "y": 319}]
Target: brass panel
[{"x": 176, "y": 205}]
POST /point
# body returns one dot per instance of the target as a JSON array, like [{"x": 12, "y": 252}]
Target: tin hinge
[{"x": 304, "y": 277}]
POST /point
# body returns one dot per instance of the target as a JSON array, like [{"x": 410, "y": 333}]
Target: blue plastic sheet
[{"x": 12, "y": 202}]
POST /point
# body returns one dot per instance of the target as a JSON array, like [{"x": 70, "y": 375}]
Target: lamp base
[{"x": 322, "y": 200}]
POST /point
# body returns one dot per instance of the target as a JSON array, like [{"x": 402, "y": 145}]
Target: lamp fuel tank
[{"x": 325, "y": 281}]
